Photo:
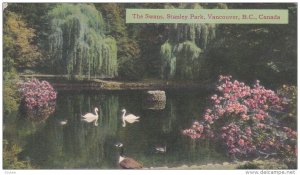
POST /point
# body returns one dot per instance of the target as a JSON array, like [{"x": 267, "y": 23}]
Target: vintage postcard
[{"x": 151, "y": 86}]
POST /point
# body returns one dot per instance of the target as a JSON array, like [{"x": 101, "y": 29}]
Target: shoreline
[
  {"x": 274, "y": 164},
  {"x": 61, "y": 83}
]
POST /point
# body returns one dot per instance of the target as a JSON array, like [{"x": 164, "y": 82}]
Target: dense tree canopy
[
  {"x": 265, "y": 52},
  {"x": 77, "y": 43},
  {"x": 19, "y": 50},
  {"x": 128, "y": 49},
  {"x": 138, "y": 51}
]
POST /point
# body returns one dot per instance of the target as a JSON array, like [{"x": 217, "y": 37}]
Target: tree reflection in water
[{"x": 83, "y": 145}]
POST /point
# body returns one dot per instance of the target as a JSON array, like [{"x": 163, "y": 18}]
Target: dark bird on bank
[{"x": 127, "y": 162}]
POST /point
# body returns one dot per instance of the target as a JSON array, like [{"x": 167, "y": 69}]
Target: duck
[
  {"x": 161, "y": 149},
  {"x": 127, "y": 162},
  {"x": 90, "y": 117},
  {"x": 63, "y": 122},
  {"x": 130, "y": 118}
]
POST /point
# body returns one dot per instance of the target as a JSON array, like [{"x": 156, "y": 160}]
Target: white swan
[
  {"x": 130, "y": 118},
  {"x": 90, "y": 117}
]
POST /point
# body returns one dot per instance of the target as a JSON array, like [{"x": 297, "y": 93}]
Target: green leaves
[
  {"x": 18, "y": 46},
  {"x": 77, "y": 44}
]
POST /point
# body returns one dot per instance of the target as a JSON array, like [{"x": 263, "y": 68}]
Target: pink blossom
[
  {"x": 246, "y": 110},
  {"x": 214, "y": 97},
  {"x": 241, "y": 142},
  {"x": 248, "y": 131},
  {"x": 219, "y": 88},
  {"x": 261, "y": 125},
  {"x": 220, "y": 111},
  {"x": 259, "y": 116},
  {"x": 245, "y": 117},
  {"x": 226, "y": 95}
]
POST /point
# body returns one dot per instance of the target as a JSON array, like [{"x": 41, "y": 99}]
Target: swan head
[
  {"x": 124, "y": 110},
  {"x": 119, "y": 145},
  {"x": 96, "y": 109}
]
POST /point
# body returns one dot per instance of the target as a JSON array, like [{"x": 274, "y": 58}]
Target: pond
[{"x": 77, "y": 144}]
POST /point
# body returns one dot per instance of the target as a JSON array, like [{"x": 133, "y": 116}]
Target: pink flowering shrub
[
  {"x": 245, "y": 120},
  {"x": 36, "y": 93},
  {"x": 38, "y": 99}
]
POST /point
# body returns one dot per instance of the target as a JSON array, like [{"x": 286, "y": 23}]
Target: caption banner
[{"x": 216, "y": 16}]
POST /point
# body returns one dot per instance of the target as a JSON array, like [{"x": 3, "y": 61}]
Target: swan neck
[
  {"x": 124, "y": 123},
  {"x": 123, "y": 118},
  {"x": 96, "y": 112},
  {"x": 96, "y": 122},
  {"x": 124, "y": 112}
]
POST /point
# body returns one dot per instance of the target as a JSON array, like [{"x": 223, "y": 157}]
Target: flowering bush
[
  {"x": 38, "y": 99},
  {"x": 245, "y": 120},
  {"x": 37, "y": 94}
]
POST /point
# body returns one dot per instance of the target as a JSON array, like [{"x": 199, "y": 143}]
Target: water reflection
[
  {"x": 158, "y": 105},
  {"x": 38, "y": 114},
  {"x": 90, "y": 117},
  {"x": 129, "y": 118},
  {"x": 82, "y": 145},
  {"x": 170, "y": 119}
]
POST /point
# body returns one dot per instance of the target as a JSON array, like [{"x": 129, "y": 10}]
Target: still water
[{"x": 50, "y": 145}]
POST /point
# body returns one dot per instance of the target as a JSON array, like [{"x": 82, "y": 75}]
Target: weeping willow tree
[
  {"x": 168, "y": 61},
  {"x": 181, "y": 54},
  {"x": 77, "y": 44},
  {"x": 189, "y": 59}
]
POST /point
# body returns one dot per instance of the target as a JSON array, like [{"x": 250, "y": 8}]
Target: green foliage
[
  {"x": 18, "y": 48},
  {"x": 188, "y": 57},
  {"x": 111, "y": 107},
  {"x": 182, "y": 61},
  {"x": 33, "y": 13},
  {"x": 11, "y": 97},
  {"x": 72, "y": 39},
  {"x": 289, "y": 93},
  {"x": 267, "y": 51},
  {"x": 184, "y": 44},
  {"x": 130, "y": 66},
  {"x": 10, "y": 157},
  {"x": 115, "y": 24},
  {"x": 151, "y": 37},
  {"x": 248, "y": 165},
  {"x": 77, "y": 43},
  {"x": 168, "y": 67},
  {"x": 16, "y": 54}
]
